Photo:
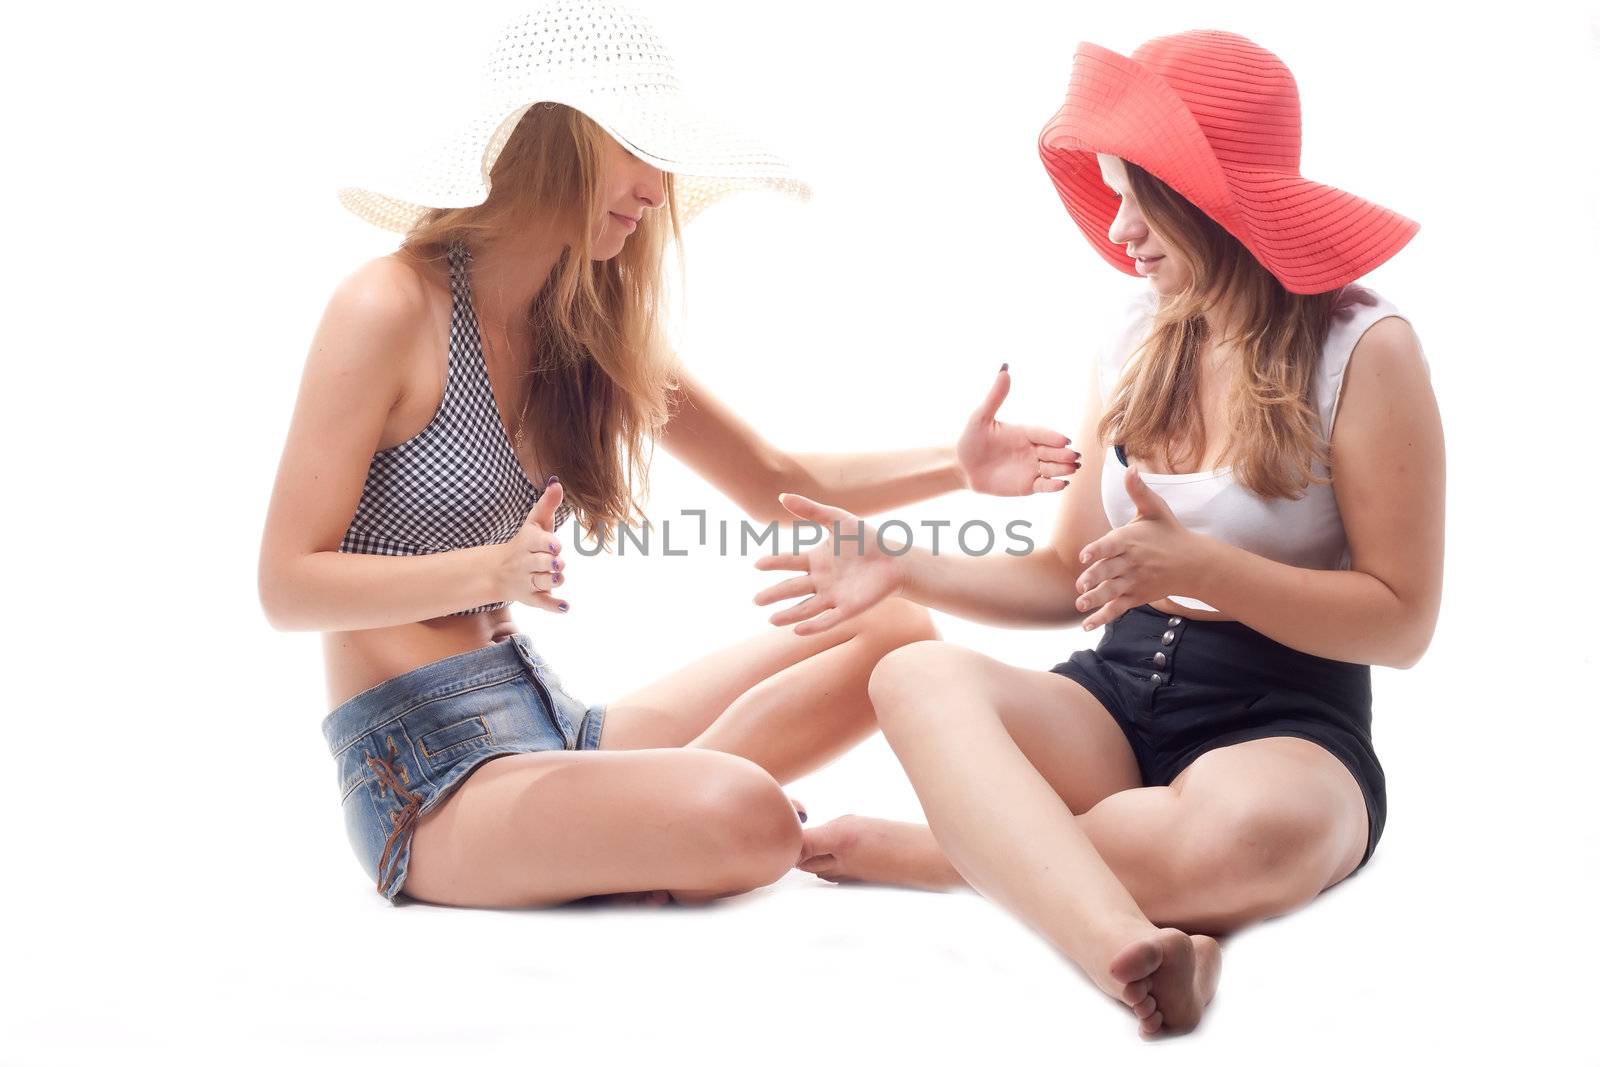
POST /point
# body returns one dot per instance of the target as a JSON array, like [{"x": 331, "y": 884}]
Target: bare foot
[
  {"x": 1167, "y": 979},
  {"x": 854, "y": 848}
]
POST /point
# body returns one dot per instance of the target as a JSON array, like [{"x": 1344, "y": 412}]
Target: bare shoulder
[
  {"x": 1387, "y": 377},
  {"x": 385, "y": 294},
  {"x": 1389, "y": 349}
]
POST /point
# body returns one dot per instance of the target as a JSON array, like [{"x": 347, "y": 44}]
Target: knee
[
  {"x": 904, "y": 673},
  {"x": 1268, "y": 855},
  {"x": 896, "y": 622},
  {"x": 910, "y": 680},
  {"x": 748, "y": 824}
]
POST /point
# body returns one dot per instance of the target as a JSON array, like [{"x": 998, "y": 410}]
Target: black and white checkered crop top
[{"x": 458, "y": 483}]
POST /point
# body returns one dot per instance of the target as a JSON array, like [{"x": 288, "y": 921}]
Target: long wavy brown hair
[
  {"x": 601, "y": 379},
  {"x": 1275, "y": 437}
]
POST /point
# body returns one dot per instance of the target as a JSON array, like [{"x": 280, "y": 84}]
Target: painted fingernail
[
  {"x": 1003, "y": 366},
  {"x": 552, "y": 480},
  {"x": 564, "y": 605},
  {"x": 802, "y": 816},
  {"x": 554, "y": 547}
]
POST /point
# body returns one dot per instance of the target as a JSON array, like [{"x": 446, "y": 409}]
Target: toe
[{"x": 1136, "y": 961}]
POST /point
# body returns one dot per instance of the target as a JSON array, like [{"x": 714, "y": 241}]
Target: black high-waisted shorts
[{"x": 1180, "y": 688}]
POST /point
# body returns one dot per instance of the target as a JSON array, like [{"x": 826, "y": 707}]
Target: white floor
[{"x": 161, "y": 909}]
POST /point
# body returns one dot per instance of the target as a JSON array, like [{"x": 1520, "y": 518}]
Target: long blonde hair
[
  {"x": 1274, "y": 431},
  {"x": 601, "y": 378}
]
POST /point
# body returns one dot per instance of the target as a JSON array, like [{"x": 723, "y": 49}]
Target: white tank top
[{"x": 1307, "y": 532}]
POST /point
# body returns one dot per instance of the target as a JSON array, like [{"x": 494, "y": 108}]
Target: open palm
[
  {"x": 1000, "y": 459},
  {"x": 843, "y": 581}
]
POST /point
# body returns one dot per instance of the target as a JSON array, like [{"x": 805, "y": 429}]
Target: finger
[
  {"x": 1043, "y": 435},
  {"x": 799, "y": 612},
  {"x": 1103, "y": 548},
  {"x": 542, "y": 540},
  {"x": 1111, "y": 612},
  {"x": 786, "y": 562},
  {"x": 1048, "y": 485},
  {"x": 806, "y": 508},
  {"x": 1057, "y": 470},
  {"x": 1102, "y": 594},
  {"x": 541, "y": 561},
  {"x": 997, "y": 395},
  {"x": 803, "y": 585},
  {"x": 1144, "y": 498},
  {"x": 819, "y": 865},
  {"x": 549, "y": 603},
  {"x": 1101, "y": 571},
  {"x": 544, "y": 510},
  {"x": 826, "y": 621},
  {"x": 1056, "y": 455}
]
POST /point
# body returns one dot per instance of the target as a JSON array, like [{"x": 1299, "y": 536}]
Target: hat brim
[
  {"x": 1313, "y": 238},
  {"x": 707, "y": 157}
]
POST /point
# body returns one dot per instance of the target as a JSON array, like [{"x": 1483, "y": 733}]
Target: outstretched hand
[
  {"x": 1000, "y": 459},
  {"x": 843, "y": 578}
]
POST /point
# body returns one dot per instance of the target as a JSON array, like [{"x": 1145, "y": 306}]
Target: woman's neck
[{"x": 506, "y": 276}]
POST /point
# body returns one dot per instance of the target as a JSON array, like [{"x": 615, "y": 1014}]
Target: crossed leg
[
  {"x": 1245, "y": 832},
  {"x": 683, "y": 799},
  {"x": 1006, "y": 830}
]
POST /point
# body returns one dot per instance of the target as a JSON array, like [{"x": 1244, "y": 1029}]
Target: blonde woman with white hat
[{"x": 505, "y": 369}]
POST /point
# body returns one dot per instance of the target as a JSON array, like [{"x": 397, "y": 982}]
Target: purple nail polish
[
  {"x": 554, "y": 547},
  {"x": 802, "y": 816},
  {"x": 552, "y": 480},
  {"x": 1003, "y": 366},
  {"x": 565, "y": 605}
]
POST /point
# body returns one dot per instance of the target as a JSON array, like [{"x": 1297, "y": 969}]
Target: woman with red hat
[{"x": 1267, "y": 523}]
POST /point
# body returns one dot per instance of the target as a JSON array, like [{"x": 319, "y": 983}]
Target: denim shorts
[
  {"x": 402, "y": 746},
  {"x": 1179, "y": 688}
]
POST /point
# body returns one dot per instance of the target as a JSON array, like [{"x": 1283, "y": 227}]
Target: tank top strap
[{"x": 459, "y": 259}]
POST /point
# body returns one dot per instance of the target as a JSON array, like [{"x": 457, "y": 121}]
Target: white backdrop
[{"x": 177, "y": 886}]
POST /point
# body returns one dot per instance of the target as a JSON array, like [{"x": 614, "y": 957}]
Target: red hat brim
[{"x": 1313, "y": 238}]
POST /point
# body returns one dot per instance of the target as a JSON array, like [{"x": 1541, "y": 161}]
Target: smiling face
[
  {"x": 1164, "y": 266},
  {"x": 629, "y": 187}
]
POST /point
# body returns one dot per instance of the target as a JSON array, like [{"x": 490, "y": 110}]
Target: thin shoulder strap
[{"x": 459, "y": 258}]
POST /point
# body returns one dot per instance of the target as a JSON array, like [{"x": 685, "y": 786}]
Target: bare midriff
[{"x": 357, "y": 660}]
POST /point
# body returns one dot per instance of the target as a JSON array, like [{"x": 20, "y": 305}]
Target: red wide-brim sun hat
[{"x": 1216, "y": 117}]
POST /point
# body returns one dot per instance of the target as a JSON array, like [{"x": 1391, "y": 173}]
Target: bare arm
[
  {"x": 991, "y": 457},
  {"x": 353, "y": 378},
  {"x": 1034, "y": 589},
  {"x": 709, "y": 436},
  {"x": 1388, "y": 452}
]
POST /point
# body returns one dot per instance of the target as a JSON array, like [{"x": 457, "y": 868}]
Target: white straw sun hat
[{"x": 607, "y": 62}]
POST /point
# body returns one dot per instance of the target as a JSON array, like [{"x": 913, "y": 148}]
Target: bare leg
[
  {"x": 1244, "y": 833},
  {"x": 790, "y": 704},
  {"x": 694, "y": 822},
  {"x": 540, "y": 828},
  {"x": 1009, "y": 834}
]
